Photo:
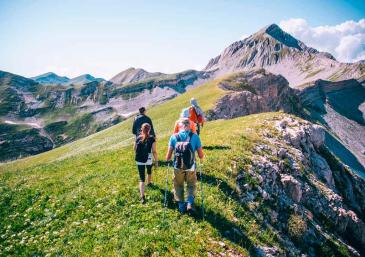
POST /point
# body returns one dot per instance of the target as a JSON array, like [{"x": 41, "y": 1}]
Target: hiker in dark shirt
[
  {"x": 140, "y": 119},
  {"x": 145, "y": 149}
]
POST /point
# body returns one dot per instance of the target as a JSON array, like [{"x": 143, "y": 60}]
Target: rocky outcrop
[
  {"x": 254, "y": 92},
  {"x": 16, "y": 142},
  {"x": 292, "y": 187},
  {"x": 303, "y": 184}
]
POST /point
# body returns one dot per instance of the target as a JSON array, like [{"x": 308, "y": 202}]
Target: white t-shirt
[{"x": 148, "y": 162}]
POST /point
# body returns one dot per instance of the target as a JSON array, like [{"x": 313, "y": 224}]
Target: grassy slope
[{"x": 82, "y": 198}]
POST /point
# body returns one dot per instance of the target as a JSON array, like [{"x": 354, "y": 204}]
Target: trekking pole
[
  {"x": 201, "y": 187},
  {"x": 167, "y": 184},
  {"x": 165, "y": 198}
]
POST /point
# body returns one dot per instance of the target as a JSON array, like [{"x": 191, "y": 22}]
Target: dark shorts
[{"x": 142, "y": 173}]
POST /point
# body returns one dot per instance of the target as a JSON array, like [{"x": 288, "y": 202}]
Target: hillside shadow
[
  {"x": 344, "y": 154},
  {"x": 216, "y": 147},
  {"x": 222, "y": 185},
  {"x": 226, "y": 228},
  {"x": 347, "y": 101}
]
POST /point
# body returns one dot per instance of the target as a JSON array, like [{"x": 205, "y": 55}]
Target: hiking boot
[
  {"x": 190, "y": 204},
  {"x": 143, "y": 200},
  {"x": 189, "y": 208},
  {"x": 182, "y": 207}
]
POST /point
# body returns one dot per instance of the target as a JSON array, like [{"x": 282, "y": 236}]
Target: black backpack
[
  {"x": 184, "y": 154},
  {"x": 142, "y": 150}
]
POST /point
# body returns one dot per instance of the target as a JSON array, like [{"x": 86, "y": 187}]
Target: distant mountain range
[
  {"x": 36, "y": 117},
  {"x": 67, "y": 109},
  {"x": 51, "y": 78}
]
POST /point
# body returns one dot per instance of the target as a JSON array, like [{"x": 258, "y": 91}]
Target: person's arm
[
  {"x": 171, "y": 147},
  {"x": 169, "y": 153},
  {"x": 135, "y": 146},
  {"x": 154, "y": 152},
  {"x": 200, "y": 153},
  {"x": 199, "y": 147}
]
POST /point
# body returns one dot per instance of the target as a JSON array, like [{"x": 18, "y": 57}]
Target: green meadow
[{"x": 82, "y": 199}]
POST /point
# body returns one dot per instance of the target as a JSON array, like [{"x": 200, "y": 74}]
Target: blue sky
[{"x": 105, "y": 37}]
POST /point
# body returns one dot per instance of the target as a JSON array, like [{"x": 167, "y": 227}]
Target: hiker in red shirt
[
  {"x": 185, "y": 114},
  {"x": 196, "y": 114}
]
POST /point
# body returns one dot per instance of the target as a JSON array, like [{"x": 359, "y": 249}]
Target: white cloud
[{"x": 346, "y": 41}]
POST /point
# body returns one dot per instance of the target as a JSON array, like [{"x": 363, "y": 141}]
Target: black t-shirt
[
  {"x": 144, "y": 148},
  {"x": 137, "y": 124}
]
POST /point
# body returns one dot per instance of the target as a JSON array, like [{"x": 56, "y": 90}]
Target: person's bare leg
[
  {"x": 141, "y": 189},
  {"x": 149, "y": 179},
  {"x": 149, "y": 174}
]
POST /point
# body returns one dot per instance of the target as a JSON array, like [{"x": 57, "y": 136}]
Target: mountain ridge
[
  {"x": 83, "y": 79},
  {"x": 132, "y": 74},
  {"x": 280, "y": 53},
  {"x": 51, "y": 78}
]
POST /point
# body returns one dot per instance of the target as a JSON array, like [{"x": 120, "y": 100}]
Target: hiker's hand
[{"x": 156, "y": 164}]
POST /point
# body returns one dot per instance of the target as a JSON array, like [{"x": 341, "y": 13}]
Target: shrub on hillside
[{"x": 296, "y": 226}]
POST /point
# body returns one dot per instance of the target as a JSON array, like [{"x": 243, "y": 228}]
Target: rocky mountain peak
[
  {"x": 268, "y": 46},
  {"x": 83, "y": 79},
  {"x": 285, "y": 38},
  {"x": 50, "y": 78},
  {"x": 133, "y": 75},
  {"x": 86, "y": 76},
  {"x": 280, "y": 53}
]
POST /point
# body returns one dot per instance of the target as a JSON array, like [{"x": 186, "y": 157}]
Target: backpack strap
[
  {"x": 178, "y": 138},
  {"x": 190, "y": 136},
  {"x": 195, "y": 111}
]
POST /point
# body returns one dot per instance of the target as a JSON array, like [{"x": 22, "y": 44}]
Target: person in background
[
  {"x": 140, "y": 119},
  {"x": 196, "y": 115},
  {"x": 184, "y": 145},
  {"x": 145, "y": 148},
  {"x": 179, "y": 126}
]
